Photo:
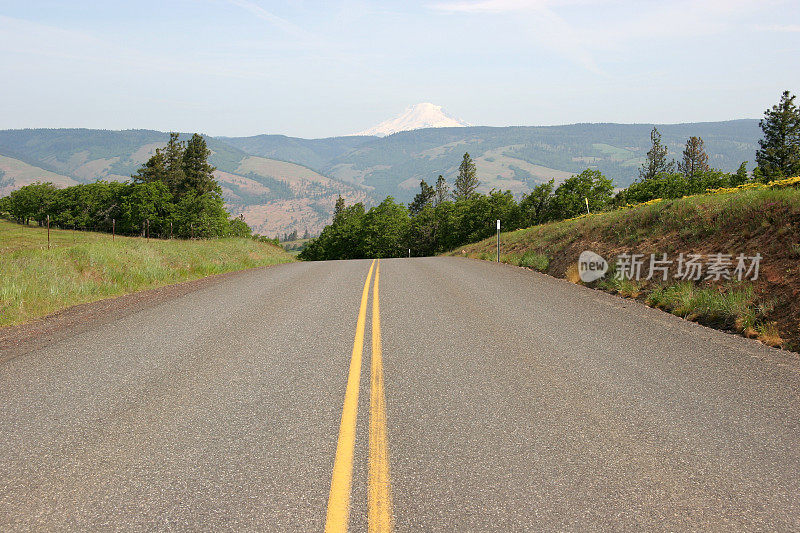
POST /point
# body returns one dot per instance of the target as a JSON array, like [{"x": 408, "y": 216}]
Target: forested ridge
[{"x": 438, "y": 219}]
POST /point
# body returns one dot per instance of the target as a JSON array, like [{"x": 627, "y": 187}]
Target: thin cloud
[
  {"x": 505, "y": 6},
  {"x": 579, "y": 43},
  {"x": 552, "y": 31},
  {"x": 21, "y": 38},
  {"x": 489, "y": 6},
  {"x": 789, "y": 28},
  {"x": 273, "y": 19}
]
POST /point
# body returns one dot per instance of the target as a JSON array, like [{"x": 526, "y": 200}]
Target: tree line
[
  {"x": 438, "y": 219},
  {"x": 173, "y": 194}
]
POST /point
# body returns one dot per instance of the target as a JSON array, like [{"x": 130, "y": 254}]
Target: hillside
[
  {"x": 750, "y": 220},
  {"x": 15, "y": 173},
  {"x": 82, "y": 266},
  {"x": 313, "y": 153},
  {"x": 514, "y": 158},
  {"x": 274, "y": 196},
  {"x": 517, "y": 158}
]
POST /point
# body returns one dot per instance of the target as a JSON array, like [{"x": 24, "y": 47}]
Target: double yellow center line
[{"x": 379, "y": 497}]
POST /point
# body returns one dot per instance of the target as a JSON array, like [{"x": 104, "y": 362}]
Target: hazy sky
[{"x": 313, "y": 69}]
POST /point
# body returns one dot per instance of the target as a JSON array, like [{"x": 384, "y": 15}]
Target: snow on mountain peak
[{"x": 424, "y": 115}]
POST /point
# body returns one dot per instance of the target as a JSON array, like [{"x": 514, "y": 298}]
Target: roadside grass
[
  {"x": 529, "y": 259},
  {"x": 534, "y": 260},
  {"x": 764, "y": 219},
  {"x": 730, "y": 306},
  {"x": 82, "y": 267},
  {"x": 694, "y": 218}
]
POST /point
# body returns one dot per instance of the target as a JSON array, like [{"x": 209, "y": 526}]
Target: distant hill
[
  {"x": 313, "y": 153},
  {"x": 15, "y": 174},
  {"x": 514, "y": 158},
  {"x": 284, "y": 183}
]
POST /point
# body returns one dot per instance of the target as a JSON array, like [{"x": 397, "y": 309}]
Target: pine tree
[
  {"x": 338, "y": 208},
  {"x": 442, "y": 190},
  {"x": 656, "y": 162},
  {"x": 198, "y": 174},
  {"x": 173, "y": 163},
  {"x": 779, "y": 152},
  {"x": 184, "y": 168},
  {"x": 695, "y": 159},
  {"x": 467, "y": 180},
  {"x": 741, "y": 175},
  {"x": 153, "y": 170},
  {"x": 422, "y": 199}
]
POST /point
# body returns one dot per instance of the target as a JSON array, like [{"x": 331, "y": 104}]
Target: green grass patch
[
  {"x": 534, "y": 260},
  {"x": 729, "y": 306},
  {"x": 81, "y": 267}
]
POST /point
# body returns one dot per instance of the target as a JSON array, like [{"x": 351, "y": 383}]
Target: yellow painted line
[
  {"x": 379, "y": 499},
  {"x": 339, "y": 497}
]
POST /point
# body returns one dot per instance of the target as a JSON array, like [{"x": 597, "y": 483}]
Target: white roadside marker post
[{"x": 498, "y": 241}]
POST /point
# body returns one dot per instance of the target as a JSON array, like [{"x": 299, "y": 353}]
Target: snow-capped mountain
[{"x": 425, "y": 115}]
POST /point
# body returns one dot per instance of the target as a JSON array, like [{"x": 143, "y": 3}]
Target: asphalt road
[{"x": 503, "y": 400}]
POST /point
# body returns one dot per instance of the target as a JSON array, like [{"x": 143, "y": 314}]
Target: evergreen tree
[
  {"x": 779, "y": 152},
  {"x": 656, "y": 162},
  {"x": 198, "y": 174},
  {"x": 173, "y": 163},
  {"x": 695, "y": 159},
  {"x": 177, "y": 183},
  {"x": 442, "y": 190},
  {"x": 155, "y": 169},
  {"x": 338, "y": 208},
  {"x": 306, "y": 234},
  {"x": 741, "y": 175},
  {"x": 467, "y": 180},
  {"x": 422, "y": 199}
]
